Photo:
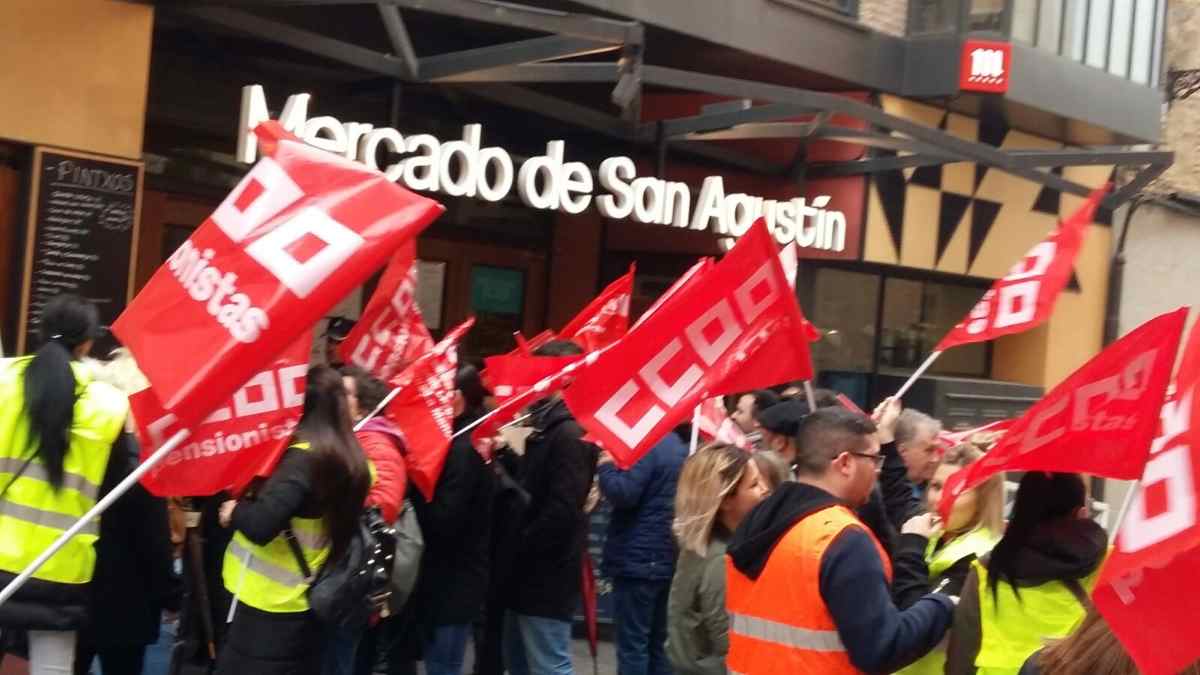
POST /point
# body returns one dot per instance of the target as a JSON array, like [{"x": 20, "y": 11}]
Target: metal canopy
[{"x": 777, "y": 111}]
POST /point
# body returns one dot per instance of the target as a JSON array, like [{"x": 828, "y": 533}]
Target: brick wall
[{"x": 885, "y": 16}]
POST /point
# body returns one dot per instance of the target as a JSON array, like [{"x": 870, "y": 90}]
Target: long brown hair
[
  {"x": 1092, "y": 650},
  {"x": 340, "y": 476},
  {"x": 707, "y": 478}
]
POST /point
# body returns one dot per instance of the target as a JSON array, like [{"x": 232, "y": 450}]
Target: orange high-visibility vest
[{"x": 779, "y": 624}]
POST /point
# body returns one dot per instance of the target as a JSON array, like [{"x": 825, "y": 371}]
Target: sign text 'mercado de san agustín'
[{"x": 462, "y": 168}]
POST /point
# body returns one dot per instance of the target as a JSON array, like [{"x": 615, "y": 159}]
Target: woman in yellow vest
[
  {"x": 975, "y": 525},
  {"x": 315, "y": 494},
  {"x": 1033, "y": 586},
  {"x": 57, "y": 430},
  {"x": 718, "y": 486}
]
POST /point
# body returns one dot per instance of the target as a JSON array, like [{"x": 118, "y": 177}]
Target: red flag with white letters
[
  {"x": 715, "y": 424},
  {"x": 509, "y": 375},
  {"x": 1098, "y": 421},
  {"x": 1149, "y": 592},
  {"x": 239, "y": 441},
  {"x": 606, "y": 318},
  {"x": 424, "y": 409},
  {"x": 390, "y": 334},
  {"x": 301, "y": 230},
  {"x": 1025, "y": 297},
  {"x": 736, "y": 327}
]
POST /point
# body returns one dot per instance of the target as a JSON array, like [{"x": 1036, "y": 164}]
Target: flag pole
[
  {"x": 917, "y": 375},
  {"x": 382, "y": 404},
  {"x": 808, "y": 394},
  {"x": 100, "y": 507},
  {"x": 695, "y": 431}
]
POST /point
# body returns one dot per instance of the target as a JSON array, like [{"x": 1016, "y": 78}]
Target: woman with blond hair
[
  {"x": 718, "y": 486},
  {"x": 975, "y": 525}
]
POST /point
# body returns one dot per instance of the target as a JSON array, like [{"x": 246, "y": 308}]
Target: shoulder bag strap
[
  {"x": 18, "y": 474},
  {"x": 290, "y": 536},
  {"x": 1078, "y": 591}
]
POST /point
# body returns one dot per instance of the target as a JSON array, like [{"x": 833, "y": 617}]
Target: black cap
[
  {"x": 338, "y": 328},
  {"x": 784, "y": 418}
]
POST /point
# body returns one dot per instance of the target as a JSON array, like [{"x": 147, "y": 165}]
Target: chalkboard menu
[{"x": 81, "y": 235}]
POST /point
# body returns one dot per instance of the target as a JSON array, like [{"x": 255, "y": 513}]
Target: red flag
[
  {"x": 1099, "y": 421},
  {"x": 241, "y": 440},
  {"x": 526, "y": 347},
  {"x": 424, "y": 409},
  {"x": 735, "y": 328},
  {"x": 509, "y": 375},
  {"x": 1149, "y": 592},
  {"x": 714, "y": 423},
  {"x": 850, "y": 405},
  {"x": 299, "y": 232},
  {"x": 390, "y": 334},
  {"x": 949, "y": 439},
  {"x": 606, "y": 318},
  {"x": 1025, "y": 297}
]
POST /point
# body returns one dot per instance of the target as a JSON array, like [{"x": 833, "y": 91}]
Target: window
[
  {"x": 916, "y": 314},
  {"x": 847, "y": 7},
  {"x": 498, "y": 303},
  {"x": 843, "y": 305}
]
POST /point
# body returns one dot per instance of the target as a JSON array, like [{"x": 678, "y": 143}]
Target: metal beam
[
  {"x": 398, "y": 34},
  {"x": 532, "y": 18},
  {"x": 298, "y": 38},
  {"x": 723, "y": 120},
  {"x": 966, "y": 150},
  {"x": 1133, "y": 187},
  {"x": 509, "y": 54},
  {"x": 874, "y": 165},
  {"x": 555, "y": 108},
  {"x": 539, "y": 72},
  {"x": 1090, "y": 157},
  {"x": 763, "y": 130}
]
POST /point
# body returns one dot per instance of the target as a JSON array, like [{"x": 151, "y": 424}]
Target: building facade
[{"x": 914, "y": 149}]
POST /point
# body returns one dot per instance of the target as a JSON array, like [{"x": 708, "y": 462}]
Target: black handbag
[{"x": 346, "y": 592}]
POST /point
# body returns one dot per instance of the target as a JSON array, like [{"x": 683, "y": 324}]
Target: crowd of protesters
[{"x": 814, "y": 550}]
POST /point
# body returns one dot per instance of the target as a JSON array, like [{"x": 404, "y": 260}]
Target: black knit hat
[{"x": 784, "y": 418}]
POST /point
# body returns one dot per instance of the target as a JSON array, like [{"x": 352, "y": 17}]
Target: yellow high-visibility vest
[{"x": 32, "y": 513}]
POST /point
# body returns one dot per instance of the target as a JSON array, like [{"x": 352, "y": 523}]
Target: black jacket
[
  {"x": 879, "y": 638},
  {"x": 456, "y": 526},
  {"x": 901, "y": 499},
  {"x": 1067, "y": 550},
  {"x": 134, "y": 580},
  {"x": 639, "y": 544},
  {"x": 261, "y": 642},
  {"x": 557, "y": 472},
  {"x": 49, "y": 605}
]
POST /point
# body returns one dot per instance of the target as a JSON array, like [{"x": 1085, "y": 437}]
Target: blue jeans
[
  {"x": 535, "y": 645},
  {"x": 340, "y": 652},
  {"x": 445, "y": 650},
  {"x": 640, "y": 611}
]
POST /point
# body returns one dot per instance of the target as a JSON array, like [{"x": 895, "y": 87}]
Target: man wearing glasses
[{"x": 808, "y": 586}]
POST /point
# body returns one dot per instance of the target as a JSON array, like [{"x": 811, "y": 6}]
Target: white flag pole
[
  {"x": 916, "y": 375},
  {"x": 241, "y": 582},
  {"x": 382, "y": 404},
  {"x": 808, "y": 394},
  {"x": 695, "y": 431},
  {"x": 100, "y": 507}
]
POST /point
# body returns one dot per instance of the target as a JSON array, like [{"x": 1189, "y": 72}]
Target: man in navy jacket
[{"x": 639, "y": 553}]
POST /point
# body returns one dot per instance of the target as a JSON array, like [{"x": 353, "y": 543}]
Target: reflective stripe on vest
[
  {"x": 779, "y": 622},
  {"x": 269, "y": 578},
  {"x": 978, "y": 542},
  {"x": 33, "y": 513},
  {"x": 786, "y": 636},
  {"x": 1013, "y": 628}
]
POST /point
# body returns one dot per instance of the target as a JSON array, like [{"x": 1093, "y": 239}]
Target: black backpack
[{"x": 346, "y": 592}]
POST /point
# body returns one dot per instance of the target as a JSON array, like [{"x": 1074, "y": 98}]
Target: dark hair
[
  {"x": 67, "y": 322},
  {"x": 827, "y": 433},
  {"x": 826, "y": 398},
  {"x": 1041, "y": 498},
  {"x": 370, "y": 390},
  {"x": 763, "y": 399},
  {"x": 340, "y": 475},
  {"x": 470, "y": 385},
  {"x": 559, "y": 348}
]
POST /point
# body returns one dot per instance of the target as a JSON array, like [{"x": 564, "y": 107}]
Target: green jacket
[{"x": 697, "y": 623}]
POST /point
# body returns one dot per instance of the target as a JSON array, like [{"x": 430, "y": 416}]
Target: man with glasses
[{"x": 808, "y": 586}]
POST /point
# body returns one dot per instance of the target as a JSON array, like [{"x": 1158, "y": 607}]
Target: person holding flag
[
  {"x": 808, "y": 586},
  {"x": 1035, "y": 583},
  {"x": 315, "y": 495},
  {"x": 61, "y": 449}
]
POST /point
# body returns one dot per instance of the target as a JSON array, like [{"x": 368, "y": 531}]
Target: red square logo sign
[{"x": 985, "y": 67}]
